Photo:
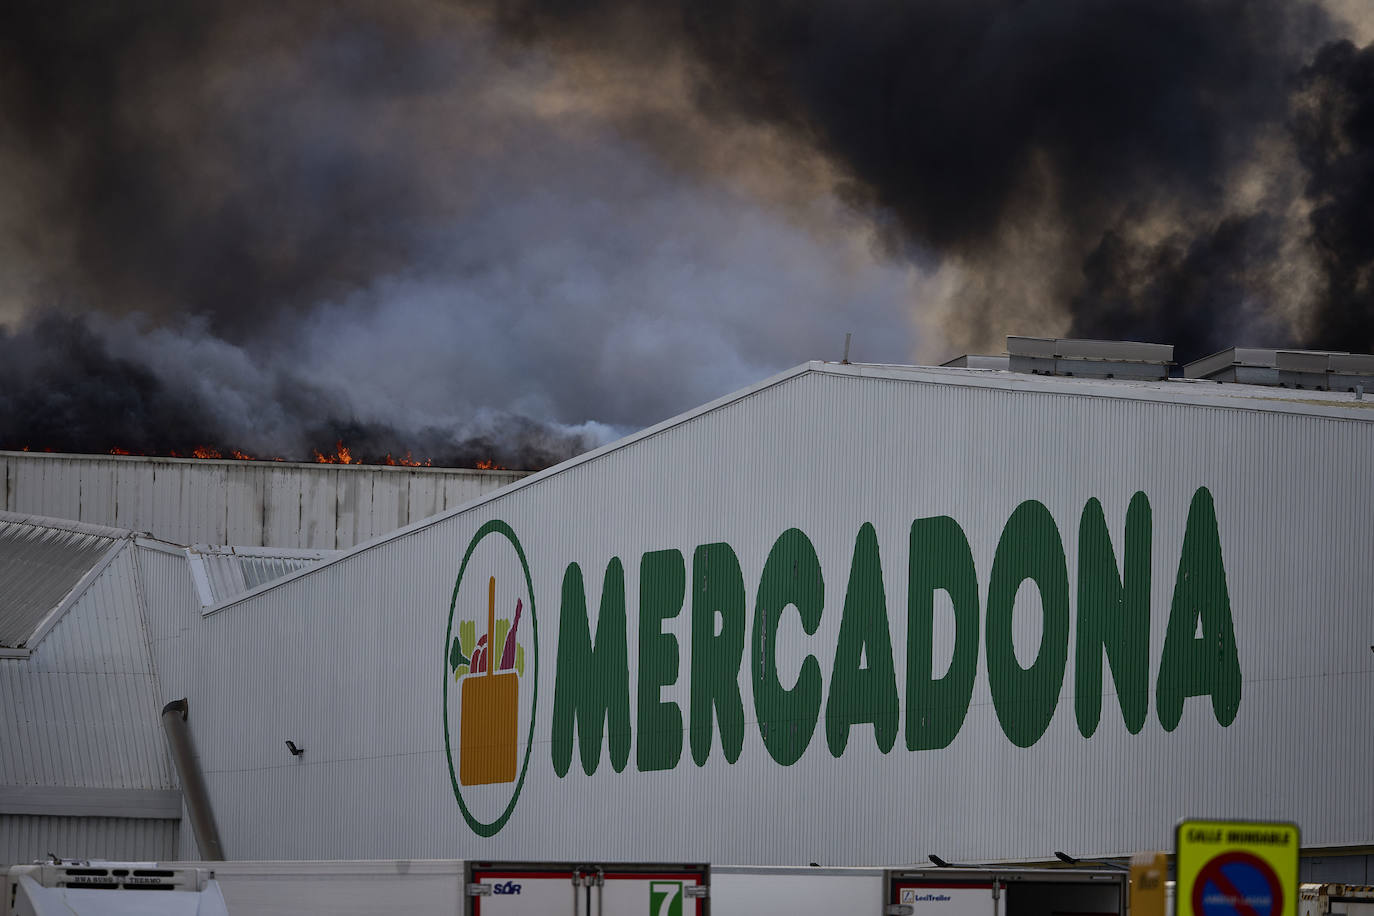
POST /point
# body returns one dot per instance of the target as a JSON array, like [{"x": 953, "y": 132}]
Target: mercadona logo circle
[{"x": 491, "y": 677}]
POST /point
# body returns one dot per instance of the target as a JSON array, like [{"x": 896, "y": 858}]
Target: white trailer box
[
  {"x": 1007, "y": 892},
  {"x": 744, "y": 890},
  {"x": 593, "y": 889},
  {"x": 398, "y": 887}
]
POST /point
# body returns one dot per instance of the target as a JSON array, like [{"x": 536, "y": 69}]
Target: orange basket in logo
[{"x": 491, "y": 708}]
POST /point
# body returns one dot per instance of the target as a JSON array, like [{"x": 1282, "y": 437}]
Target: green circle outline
[{"x": 499, "y": 527}]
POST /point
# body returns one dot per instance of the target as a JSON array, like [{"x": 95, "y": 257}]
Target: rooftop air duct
[
  {"x": 1090, "y": 358},
  {"x": 1315, "y": 369}
]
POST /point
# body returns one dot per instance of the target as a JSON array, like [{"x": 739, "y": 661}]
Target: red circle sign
[{"x": 1237, "y": 884}]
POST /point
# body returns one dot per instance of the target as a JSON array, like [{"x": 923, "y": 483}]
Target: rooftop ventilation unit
[
  {"x": 1317, "y": 369},
  {"x": 972, "y": 361},
  {"x": 1090, "y": 358}
]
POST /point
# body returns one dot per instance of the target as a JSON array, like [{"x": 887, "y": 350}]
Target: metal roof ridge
[
  {"x": 258, "y": 463},
  {"x": 140, "y": 538},
  {"x": 1188, "y": 392},
  {"x": 271, "y": 553},
  {"x": 64, "y": 524}
]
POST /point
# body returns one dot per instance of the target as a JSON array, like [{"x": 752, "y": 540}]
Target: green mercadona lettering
[{"x": 592, "y": 685}]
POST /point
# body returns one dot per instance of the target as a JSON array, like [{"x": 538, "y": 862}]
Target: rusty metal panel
[{"x": 851, "y": 457}]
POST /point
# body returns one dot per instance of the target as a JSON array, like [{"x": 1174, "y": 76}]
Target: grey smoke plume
[
  {"x": 515, "y": 230},
  {"x": 377, "y": 222}
]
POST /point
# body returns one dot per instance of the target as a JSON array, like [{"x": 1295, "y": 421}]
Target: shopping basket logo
[{"x": 490, "y": 677}]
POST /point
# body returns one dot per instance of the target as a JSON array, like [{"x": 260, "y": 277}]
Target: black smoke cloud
[
  {"x": 372, "y": 220},
  {"x": 972, "y": 122},
  {"x": 1198, "y": 289},
  {"x": 168, "y": 180},
  {"x": 1210, "y": 286},
  {"x": 521, "y": 228},
  {"x": 940, "y": 111},
  {"x": 1335, "y": 138},
  {"x": 66, "y": 391}
]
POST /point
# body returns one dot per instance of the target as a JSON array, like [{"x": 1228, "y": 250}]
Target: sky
[{"x": 513, "y": 231}]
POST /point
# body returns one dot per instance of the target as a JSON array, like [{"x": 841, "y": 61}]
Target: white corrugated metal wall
[
  {"x": 346, "y": 660},
  {"x": 259, "y": 504},
  {"x": 82, "y": 712},
  {"x": 84, "y": 706},
  {"x": 28, "y": 838},
  {"x": 174, "y": 611}
]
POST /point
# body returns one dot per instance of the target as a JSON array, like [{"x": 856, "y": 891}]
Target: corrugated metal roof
[
  {"x": 223, "y": 573},
  {"x": 82, "y": 695},
  {"x": 41, "y": 561},
  {"x": 82, "y": 709}
]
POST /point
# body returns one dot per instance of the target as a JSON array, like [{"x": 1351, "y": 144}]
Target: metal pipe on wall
[{"x": 193, "y": 789}]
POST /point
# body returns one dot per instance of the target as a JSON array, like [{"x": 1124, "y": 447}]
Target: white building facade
[{"x": 852, "y": 615}]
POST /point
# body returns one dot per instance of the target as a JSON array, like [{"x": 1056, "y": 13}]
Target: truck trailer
[{"x": 506, "y": 888}]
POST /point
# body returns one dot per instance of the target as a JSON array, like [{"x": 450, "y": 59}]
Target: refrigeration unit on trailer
[
  {"x": 587, "y": 889},
  {"x": 96, "y": 888},
  {"x": 1006, "y": 892}
]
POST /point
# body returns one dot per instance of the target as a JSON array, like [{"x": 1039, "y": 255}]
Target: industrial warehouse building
[
  {"x": 852, "y": 615},
  {"x": 96, "y": 564}
]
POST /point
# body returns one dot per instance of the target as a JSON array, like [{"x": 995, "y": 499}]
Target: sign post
[{"x": 1236, "y": 868}]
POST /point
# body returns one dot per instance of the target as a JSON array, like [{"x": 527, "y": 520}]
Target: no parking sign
[{"x": 1236, "y": 868}]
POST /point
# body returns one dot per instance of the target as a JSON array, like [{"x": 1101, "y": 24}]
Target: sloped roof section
[
  {"x": 224, "y": 573},
  {"x": 41, "y": 562}
]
